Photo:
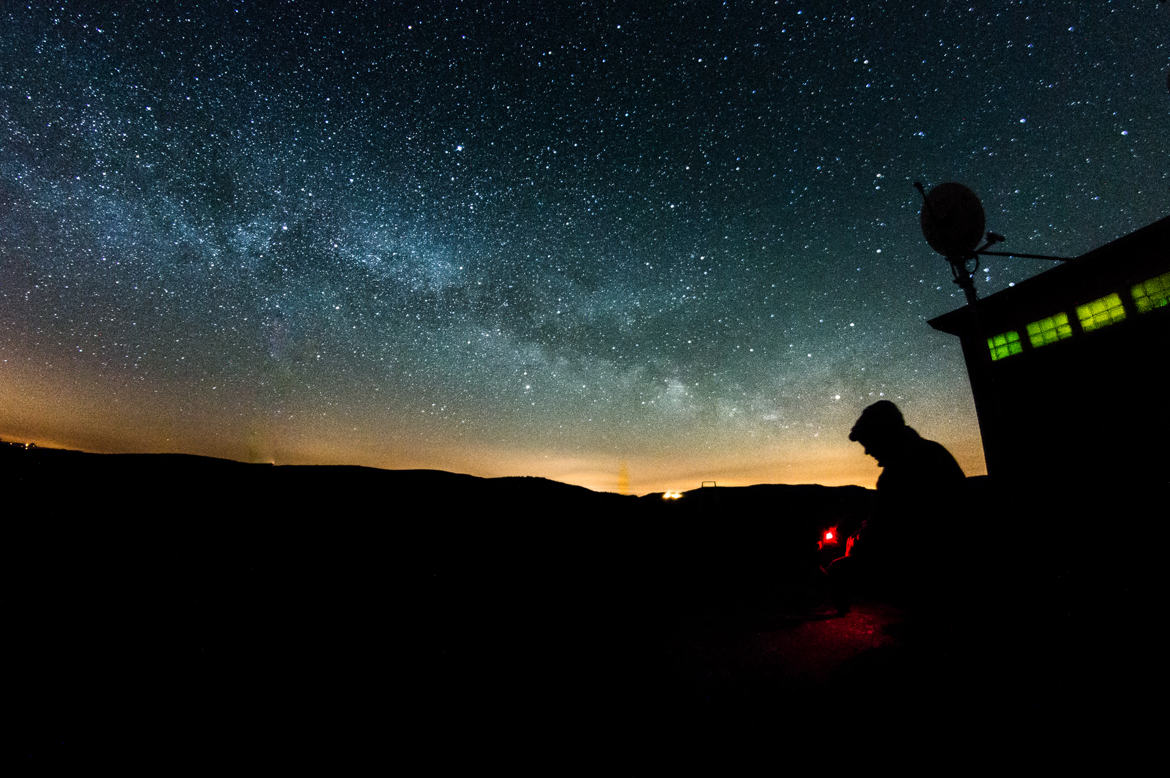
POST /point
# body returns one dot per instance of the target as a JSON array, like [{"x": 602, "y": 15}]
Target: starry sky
[{"x": 629, "y": 245}]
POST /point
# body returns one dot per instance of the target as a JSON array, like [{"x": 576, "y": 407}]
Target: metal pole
[{"x": 1023, "y": 256}]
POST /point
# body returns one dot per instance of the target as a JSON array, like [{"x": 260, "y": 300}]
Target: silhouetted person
[{"x": 898, "y": 552}]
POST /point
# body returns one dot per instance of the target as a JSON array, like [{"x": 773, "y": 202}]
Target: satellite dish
[{"x": 952, "y": 220}]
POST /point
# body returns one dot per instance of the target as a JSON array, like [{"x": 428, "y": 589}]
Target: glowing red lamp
[{"x": 828, "y": 538}]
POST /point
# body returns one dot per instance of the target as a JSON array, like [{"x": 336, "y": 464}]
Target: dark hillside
[
  {"x": 192, "y": 595},
  {"x": 174, "y": 605}
]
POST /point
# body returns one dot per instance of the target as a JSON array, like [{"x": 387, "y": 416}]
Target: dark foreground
[{"x": 175, "y": 611}]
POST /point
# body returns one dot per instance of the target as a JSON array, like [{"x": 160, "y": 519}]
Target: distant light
[{"x": 672, "y": 495}]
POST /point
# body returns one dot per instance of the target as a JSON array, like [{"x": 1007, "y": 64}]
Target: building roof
[{"x": 1127, "y": 260}]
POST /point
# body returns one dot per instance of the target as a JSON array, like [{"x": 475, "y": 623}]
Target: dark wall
[{"x": 1089, "y": 409}]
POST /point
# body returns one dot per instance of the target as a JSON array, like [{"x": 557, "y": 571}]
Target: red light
[{"x": 828, "y": 538}]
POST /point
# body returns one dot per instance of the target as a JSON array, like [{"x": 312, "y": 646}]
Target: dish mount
[{"x": 953, "y": 222}]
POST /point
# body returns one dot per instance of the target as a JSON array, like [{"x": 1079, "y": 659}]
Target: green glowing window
[
  {"x": 1152, "y": 293},
  {"x": 1004, "y": 345},
  {"x": 1100, "y": 313},
  {"x": 1049, "y": 330}
]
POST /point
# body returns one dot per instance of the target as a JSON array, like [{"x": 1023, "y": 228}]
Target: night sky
[{"x": 630, "y": 245}]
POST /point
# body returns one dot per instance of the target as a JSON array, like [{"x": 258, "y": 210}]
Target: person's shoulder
[
  {"x": 931, "y": 449},
  {"x": 933, "y": 445},
  {"x": 941, "y": 457}
]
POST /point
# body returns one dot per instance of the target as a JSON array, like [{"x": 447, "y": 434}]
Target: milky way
[{"x": 628, "y": 245}]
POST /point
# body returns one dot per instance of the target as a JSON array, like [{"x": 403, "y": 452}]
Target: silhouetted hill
[
  {"x": 180, "y": 513},
  {"x": 168, "y": 602},
  {"x": 157, "y": 487}
]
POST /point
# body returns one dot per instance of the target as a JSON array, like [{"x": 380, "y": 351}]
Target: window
[
  {"x": 1004, "y": 345},
  {"x": 1152, "y": 293},
  {"x": 1100, "y": 313},
  {"x": 1049, "y": 330}
]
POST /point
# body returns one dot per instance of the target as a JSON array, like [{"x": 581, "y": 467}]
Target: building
[{"x": 1069, "y": 368}]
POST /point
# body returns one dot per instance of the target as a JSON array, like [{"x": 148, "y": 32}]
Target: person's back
[
  {"x": 919, "y": 503},
  {"x": 918, "y": 490}
]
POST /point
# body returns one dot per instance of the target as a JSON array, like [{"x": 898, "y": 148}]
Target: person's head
[{"x": 878, "y": 428}]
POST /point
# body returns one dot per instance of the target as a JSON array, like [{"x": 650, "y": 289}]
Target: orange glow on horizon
[{"x": 108, "y": 415}]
